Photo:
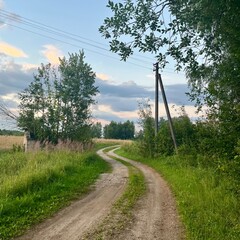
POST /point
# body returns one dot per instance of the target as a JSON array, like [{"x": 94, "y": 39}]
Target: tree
[
  {"x": 147, "y": 140},
  {"x": 120, "y": 130},
  {"x": 57, "y": 103},
  {"x": 96, "y": 130},
  {"x": 76, "y": 90},
  {"x": 203, "y": 39},
  {"x": 182, "y": 29}
]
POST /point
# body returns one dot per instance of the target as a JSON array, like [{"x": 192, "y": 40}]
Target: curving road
[{"x": 155, "y": 215}]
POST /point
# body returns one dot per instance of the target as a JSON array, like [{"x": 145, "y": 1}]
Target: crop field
[
  {"x": 7, "y": 142},
  {"x": 111, "y": 141}
]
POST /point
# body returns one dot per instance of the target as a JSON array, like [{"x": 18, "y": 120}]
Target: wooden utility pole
[
  {"x": 156, "y": 69},
  {"x": 168, "y": 112}
]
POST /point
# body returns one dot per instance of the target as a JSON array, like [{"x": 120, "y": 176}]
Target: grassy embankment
[
  {"x": 35, "y": 185},
  {"x": 208, "y": 206}
]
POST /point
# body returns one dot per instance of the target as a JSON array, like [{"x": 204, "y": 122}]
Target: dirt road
[{"x": 155, "y": 215}]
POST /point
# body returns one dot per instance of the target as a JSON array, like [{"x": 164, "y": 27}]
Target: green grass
[
  {"x": 35, "y": 185},
  {"x": 122, "y": 212},
  {"x": 208, "y": 207}
]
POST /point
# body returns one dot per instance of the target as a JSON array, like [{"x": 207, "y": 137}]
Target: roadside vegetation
[
  {"x": 35, "y": 185},
  {"x": 203, "y": 174},
  {"x": 207, "y": 198}
]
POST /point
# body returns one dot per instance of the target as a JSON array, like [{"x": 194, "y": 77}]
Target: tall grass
[
  {"x": 207, "y": 203},
  {"x": 34, "y": 185}
]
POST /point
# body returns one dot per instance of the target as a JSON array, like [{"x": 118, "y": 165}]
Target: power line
[
  {"x": 74, "y": 37},
  {"x": 61, "y": 33},
  {"x": 74, "y": 45}
]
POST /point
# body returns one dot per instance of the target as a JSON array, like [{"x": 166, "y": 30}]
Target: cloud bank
[{"x": 114, "y": 102}]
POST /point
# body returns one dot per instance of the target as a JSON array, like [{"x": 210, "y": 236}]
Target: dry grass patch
[
  {"x": 7, "y": 142},
  {"x": 115, "y": 141}
]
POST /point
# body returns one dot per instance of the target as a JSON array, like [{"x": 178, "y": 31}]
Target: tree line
[
  {"x": 113, "y": 130},
  {"x": 7, "y": 132}
]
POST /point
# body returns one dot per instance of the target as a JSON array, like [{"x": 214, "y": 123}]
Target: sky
[{"x": 34, "y": 32}]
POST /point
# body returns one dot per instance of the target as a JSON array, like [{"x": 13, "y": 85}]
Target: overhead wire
[
  {"x": 60, "y": 33},
  {"x": 71, "y": 36}
]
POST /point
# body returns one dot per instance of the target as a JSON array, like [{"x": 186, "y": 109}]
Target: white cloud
[
  {"x": 52, "y": 53},
  {"x": 1, "y": 4},
  {"x": 11, "y": 97},
  {"x": 11, "y": 50},
  {"x": 103, "y": 76},
  {"x": 26, "y": 67},
  {"x": 175, "y": 111}
]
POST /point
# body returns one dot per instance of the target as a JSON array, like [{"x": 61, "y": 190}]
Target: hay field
[
  {"x": 7, "y": 142},
  {"x": 113, "y": 141}
]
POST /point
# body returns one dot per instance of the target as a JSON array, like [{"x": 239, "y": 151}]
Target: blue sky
[{"x": 121, "y": 84}]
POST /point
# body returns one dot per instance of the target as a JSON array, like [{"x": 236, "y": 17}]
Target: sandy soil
[{"x": 155, "y": 215}]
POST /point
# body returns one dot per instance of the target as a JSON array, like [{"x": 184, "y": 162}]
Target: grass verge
[
  {"x": 122, "y": 212},
  {"x": 35, "y": 185},
  {"x": 207, "y": 206}
]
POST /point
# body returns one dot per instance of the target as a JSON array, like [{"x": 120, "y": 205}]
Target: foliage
[
  {"x": 119, "y": 130},
  {"x": 56, "y": 104},
  {"x": 34, "y": 186},
  {"x": 96, "y": 130},
  {"x": 151, "y": 144},
  {"x": 147, "y": 137},
  {"x": 184, "y": 131},
  {"x": 183, "y": 29},
  {"x": 201, "y": 36}
]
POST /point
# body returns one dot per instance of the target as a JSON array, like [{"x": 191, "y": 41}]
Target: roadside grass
[
  {"x": 121, "y": 213},
  {"x": 35, "y": 185},
  {"x": 208, "y": 207}
]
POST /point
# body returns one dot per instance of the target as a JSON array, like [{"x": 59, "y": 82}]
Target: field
[
  {"x": 7, "y": 142},
  {"x": 111, "y": 141}
]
